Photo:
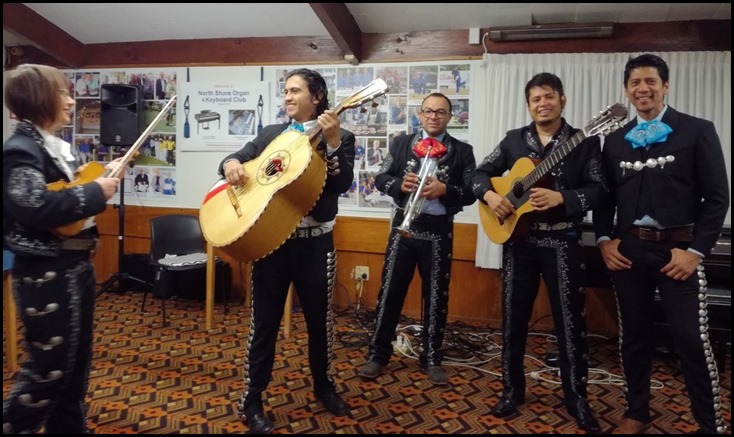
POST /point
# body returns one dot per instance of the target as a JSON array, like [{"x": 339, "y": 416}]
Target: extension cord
[{"x": 401, "y": 346}]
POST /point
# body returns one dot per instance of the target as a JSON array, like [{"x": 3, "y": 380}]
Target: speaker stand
[{"x": 121, "y": 275}]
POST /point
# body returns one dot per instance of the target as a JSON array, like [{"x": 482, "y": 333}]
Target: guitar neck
[
  {"x": 555, "y": 157},
  {"x": 315, "y": 131}
]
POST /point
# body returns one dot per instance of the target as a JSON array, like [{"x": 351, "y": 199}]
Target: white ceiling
[{"x": 93, "y": 23}]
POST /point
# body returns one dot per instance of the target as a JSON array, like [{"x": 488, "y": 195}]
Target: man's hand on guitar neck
[
  {"x": 499, "y": 204},
  {"x": 235, "y": 172},
  {"x": 543, "y": 199}
]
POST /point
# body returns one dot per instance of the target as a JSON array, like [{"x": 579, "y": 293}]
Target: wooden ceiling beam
[
  {"x": 342, "y": 27},
  {"x": 22, "y": 21},
  {"x": 711, "y": 35}
]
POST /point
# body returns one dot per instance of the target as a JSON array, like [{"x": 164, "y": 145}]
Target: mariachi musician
[
  {"x": 307, "y": 258},
  {"x": 428, "y": 241}
]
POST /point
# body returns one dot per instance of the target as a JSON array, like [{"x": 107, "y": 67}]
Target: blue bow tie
[
  {"x": 648, "y": 133},
  {"x": 297, "y": 126}
]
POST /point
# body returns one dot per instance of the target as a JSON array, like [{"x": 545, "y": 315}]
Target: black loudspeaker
[{"x": 121, "y": 116}]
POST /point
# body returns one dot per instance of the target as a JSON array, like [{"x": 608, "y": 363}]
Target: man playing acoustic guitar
[
  {"x": 307, "y": 258},
  {"x": 550, "y": 248}
]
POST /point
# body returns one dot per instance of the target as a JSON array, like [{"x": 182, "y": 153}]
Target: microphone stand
[{"x": 121, "y": 276}]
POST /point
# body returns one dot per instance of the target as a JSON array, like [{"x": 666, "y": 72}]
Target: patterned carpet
[{"x": 147, "y": 378}]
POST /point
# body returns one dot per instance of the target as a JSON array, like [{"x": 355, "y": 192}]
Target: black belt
[
  {"x": 79, "y": 244},
  {"x": 682, "y": 234},
  {"x": 316, "y": 231}
]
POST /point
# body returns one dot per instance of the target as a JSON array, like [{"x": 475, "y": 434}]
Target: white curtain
[{"x": 700, "y": 85}]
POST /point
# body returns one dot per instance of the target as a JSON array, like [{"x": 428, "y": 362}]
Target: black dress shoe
[
  {"x": 333, "y": 403},
  {"x": 585, "y": 420},
  {"x": 507, "y": 405},
  {"x": 258, "y": 422}
]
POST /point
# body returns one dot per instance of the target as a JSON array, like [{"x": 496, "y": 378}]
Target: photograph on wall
[
  {"x": 423, "y": 80},
  {"x": 375, "y": 151},
  {"x": 113, "y": 77},
  {"x": 369, "y": 119},
  {"x": 414, "y": 120},
  {"x": 152, "y": 109},
  {"x": 141, "y": 182},
  {"x": 352, "y": 79},
  {"x": 396, "y": 78},
  {"x": 86, "y": 84},
  {"x": 72, "y": 82},
  {"x": 85, "y": 146},
  {"x": 398, "y": 110},
  {"x": 359, "y": 153},
  {"x": 329, "y": 75},
  {"x": 157, "y": 149},
  {"x": 87, "y": 116},
  {"x": 66, "y": 133},
  {"x": 349, "y": 198},
  {"x": 222, "y": 115},
  {"x": 459, "y": 122},
  {"x": 144, "y": 182},
  {"x": 242, "y": 122},
  {"x": 280, "y": 80},
  {"x": 453, "y": 80},
  {"x": 368, "y": 195}
]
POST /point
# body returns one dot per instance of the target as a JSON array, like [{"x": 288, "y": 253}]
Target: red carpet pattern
[{"x": 151, "y": 379}]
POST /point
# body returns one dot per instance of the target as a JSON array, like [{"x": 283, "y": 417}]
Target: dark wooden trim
[
  {"x": 342, "y": 27},
  {"x": 704, "y": 35},
  {"x": 21, "y": 20}
]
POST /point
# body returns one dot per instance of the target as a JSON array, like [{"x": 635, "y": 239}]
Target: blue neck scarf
[
  {"x": 297, "y": 126},
  {"x": 648, "y": 133}
]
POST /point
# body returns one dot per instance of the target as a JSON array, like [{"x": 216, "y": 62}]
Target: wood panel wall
[{"x": 474, "y": 295}]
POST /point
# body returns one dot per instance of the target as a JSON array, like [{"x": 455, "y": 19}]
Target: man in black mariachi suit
[
  {"x": 551, "y": 248},
  {"x": 430, "y": 243},
  {"x": 670, "y": 192},
  {"x": 307, "y": 258}
]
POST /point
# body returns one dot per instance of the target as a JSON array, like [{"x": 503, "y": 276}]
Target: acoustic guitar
[
  {"x": 524, "y": 175},
  {"x": 250, "y": 221},
  {"x": 92, "y": 170}
]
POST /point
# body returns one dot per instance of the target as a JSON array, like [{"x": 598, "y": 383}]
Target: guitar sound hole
[{"x": 274, "y": 167}]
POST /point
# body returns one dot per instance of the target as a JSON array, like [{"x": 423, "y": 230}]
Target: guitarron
[
  {"x": 285, "y": 181},
  {"x": 524, "y": 175},
  {"x": 92, "y": 170}
]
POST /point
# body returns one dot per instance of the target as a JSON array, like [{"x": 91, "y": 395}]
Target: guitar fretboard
[{"x": 548, "y": 163}]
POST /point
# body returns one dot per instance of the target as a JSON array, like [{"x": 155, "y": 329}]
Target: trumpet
[{"x": 415, "y": 202}]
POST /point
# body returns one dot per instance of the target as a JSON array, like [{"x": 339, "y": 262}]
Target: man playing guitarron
[
  {"x": 551, "y": 249},
  {"x": 307, "y": 258}
]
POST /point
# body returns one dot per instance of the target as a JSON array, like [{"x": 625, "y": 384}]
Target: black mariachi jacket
[
  {"x": 30, "y": 211},
  {"x": 454, "y": 169},
  {"x": 693, "y": 188},
  {"x": 579, "y": 176}
]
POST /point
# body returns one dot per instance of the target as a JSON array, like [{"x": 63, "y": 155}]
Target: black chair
[{"x": 176, "y": 244}]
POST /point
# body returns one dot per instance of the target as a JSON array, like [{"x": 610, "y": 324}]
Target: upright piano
[
  {"x": 205, "y": 116},
  {"x": 717, "y": 267}
]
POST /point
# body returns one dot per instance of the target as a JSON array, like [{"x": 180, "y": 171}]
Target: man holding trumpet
[{"x": 422, "y": 232}]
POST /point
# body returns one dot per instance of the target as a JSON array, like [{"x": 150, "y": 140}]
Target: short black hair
[
  {"x": 647, "y": 60},
  {"x": 544, "y": 79},
  {"x": 451, "y": 107},
  {"x": 316, "y": 86}
]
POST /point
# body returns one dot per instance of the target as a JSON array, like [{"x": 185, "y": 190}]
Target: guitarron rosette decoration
[
  {"x": 92, "y": 170},
  {"x": 524, "y": 175},
  {"x": 250, "y": 221}
]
